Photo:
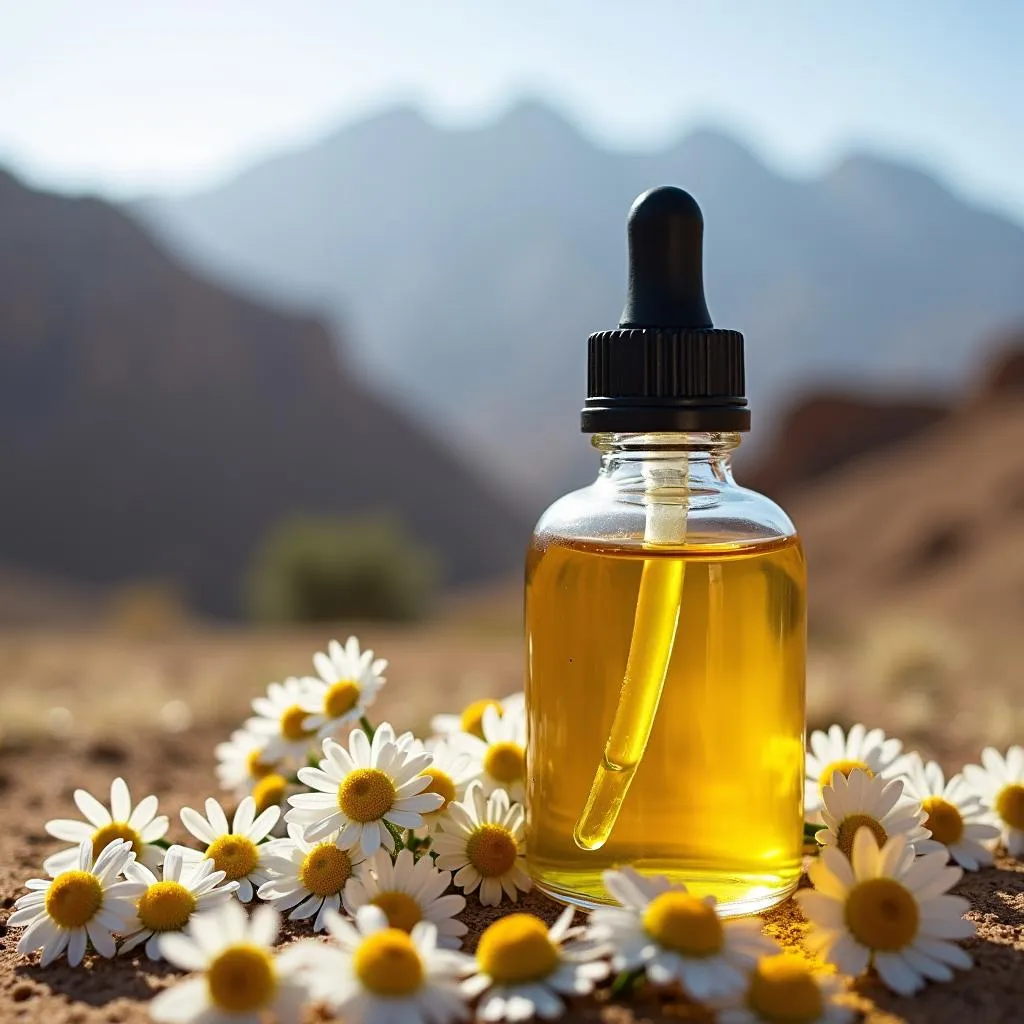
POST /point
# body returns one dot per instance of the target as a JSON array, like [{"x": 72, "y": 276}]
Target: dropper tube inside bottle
[{"x": 659, "y": 600}]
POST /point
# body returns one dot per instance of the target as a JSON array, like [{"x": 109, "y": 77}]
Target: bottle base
[{"x": 736, "y": 895}]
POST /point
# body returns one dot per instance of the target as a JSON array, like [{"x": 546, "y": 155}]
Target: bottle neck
[{"x": 694, "y": 461}]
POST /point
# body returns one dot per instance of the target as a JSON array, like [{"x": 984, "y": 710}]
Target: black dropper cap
[{"x": 666, "y": 368}]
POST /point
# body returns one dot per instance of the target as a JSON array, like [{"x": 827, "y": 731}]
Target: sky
[{"x": 124, "y": 97}]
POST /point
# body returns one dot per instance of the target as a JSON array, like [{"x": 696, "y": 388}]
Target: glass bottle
[{"x": 665, "y": 616}]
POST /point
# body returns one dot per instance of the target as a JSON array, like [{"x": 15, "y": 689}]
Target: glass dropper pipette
[{"x": 666, "y": 369}]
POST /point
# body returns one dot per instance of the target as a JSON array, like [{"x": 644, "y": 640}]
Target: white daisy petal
[
  {"x": 197, "y": 825},
  {"x": 897, "y": 973},
  {"x": 96, "y": 813},
  {"x": 245, "y": 814},
  {"x": 68, "y": 830},
  {"x": 185, "y": 1003},
  {"x": 120, "y": 800}
]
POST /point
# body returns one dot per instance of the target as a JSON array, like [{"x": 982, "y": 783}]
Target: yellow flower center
[
  {"x": 472, "y": 718},
  {"x": 401, "y": 910},
  {"x": 492, "y": 850},
  {"x": 269, "y": 791},
  {"x": 685, "y": 924},
  {"x": 325, "y": 870},
  {"x": 944, "y": 821},
  {"x": 367, "y": 794},
  {"x": 166, "y": 907},
  {"x": 341, "y": 698},
  {"x": 235, "y": 855},
  {"x": 851, "y": 825},
  {"x": 1010, "y": 805},
  {"x": 442, "y": 784},
  {"x": 241, "y": 979},
  {"x": 517, "y": 949},
  {"x": 882, "y": 914},
  {"x": 103, "y": 837},
  {"x": 843, "y": 768},
  {"x": 291, "y": 723},
  {"x": 783, "y": 991},
  {"x": 256, "y": 768},
  {"x": 505, "y": 762},
  {"x": 388, "y": 964},
  {"x": 73, "y": 898}
]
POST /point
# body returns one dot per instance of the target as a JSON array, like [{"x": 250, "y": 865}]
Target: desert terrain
[{"x": 80, "y": 708}]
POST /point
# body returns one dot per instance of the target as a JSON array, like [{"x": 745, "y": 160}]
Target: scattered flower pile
[{"x": 377, "y": 839}]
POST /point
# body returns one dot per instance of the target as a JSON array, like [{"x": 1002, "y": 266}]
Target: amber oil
[{"x": 717, "y": 800}]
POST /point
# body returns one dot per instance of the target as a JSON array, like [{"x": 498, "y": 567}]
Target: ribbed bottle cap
[{"x": 665, "y": 368}]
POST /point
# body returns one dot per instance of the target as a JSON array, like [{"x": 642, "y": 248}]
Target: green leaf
[
  {"x": 811, "y": 832},
  {"x": 625, "y": 982},
  {"x": 397, "y": 834}
]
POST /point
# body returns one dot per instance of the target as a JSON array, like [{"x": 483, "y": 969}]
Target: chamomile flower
[
  {"x": 349, "y": 682},
  {"x": 374, "y": 974},
  {"x": 786, "y": 988},
  {"x": 858, "y": 801},
  {"x": 884, "y": 909},
  {"x": 525, "y": 969},
  {"x": 675, "y": 936},
  {"x": 1000, "y": 784},
  {"x": 140, "y": 826},
  {"x": 307, "y": 878},
  {"x": 481, "y": 840},
  {"x": 501, "y": 752},
  {"x": 452, "y": 769},
  {"x": 956, "y": 817},
  {"x": 273, "y": 791},
  {"x": 834, "y": 753},
  {"x": 470, "y": 720},
  {"x": 362, "y": 790},
  {"x": 167, "y": 904},
  {"x": 234, "y": 849},
  {"x": 281, "y": 720},
  {"x": 85, "y": 903},
  {"x": 240, "y": 979},
  {"x": 408, "y": 891},
  {"x": 242, "y": 761}
]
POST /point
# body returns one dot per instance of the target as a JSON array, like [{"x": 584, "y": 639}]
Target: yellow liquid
[{"x": 717, "y": 799}]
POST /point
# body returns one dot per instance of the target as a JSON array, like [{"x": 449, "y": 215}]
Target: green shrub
[{"x": 324, "y": 570}]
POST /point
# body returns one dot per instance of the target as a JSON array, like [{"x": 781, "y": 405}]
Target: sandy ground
[{"x": 37, "y": 780}]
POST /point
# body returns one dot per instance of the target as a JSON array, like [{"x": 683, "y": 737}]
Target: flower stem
[{"x": 367, "y": 727}]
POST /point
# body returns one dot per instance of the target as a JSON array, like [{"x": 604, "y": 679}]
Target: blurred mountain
[
  {"x": 469, "y": 266},
  {"x": 154, "y": 426}
]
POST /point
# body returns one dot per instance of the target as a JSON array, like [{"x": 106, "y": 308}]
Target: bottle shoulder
[{"x": 727, "y": 514}]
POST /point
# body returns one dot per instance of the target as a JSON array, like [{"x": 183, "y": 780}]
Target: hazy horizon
[{"x": 124, "y": 101}]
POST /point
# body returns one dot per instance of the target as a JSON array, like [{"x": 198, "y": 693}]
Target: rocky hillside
[
  {"x": 154, "y": 426},
  {"x": 824, "y": 430},
  {"x": 932, "y": 526}
]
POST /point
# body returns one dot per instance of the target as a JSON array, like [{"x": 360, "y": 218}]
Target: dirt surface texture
[{"x": 37, "y": 780}]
